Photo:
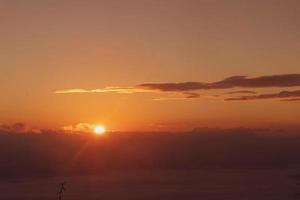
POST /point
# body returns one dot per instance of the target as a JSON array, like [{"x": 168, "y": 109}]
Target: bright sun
[{"x": 99, "y": 130}]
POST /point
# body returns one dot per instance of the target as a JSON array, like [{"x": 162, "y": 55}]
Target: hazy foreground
[
  {"x": 156, "y": 185},
  {"x": 210, "y": 164}
]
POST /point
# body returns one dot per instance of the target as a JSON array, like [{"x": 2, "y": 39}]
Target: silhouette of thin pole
[{"x": 62, "y": 189}]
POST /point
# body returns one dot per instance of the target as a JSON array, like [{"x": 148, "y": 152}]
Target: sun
[{"x": 99, "y": 130}]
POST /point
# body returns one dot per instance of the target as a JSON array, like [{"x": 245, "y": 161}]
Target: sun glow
[{"x": 99, "y": 130}]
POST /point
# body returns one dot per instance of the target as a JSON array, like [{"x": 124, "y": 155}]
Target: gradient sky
[{"x": 58, "y": 45}]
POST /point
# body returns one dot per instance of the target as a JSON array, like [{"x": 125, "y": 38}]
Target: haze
[{"x": 49, "y": 46}]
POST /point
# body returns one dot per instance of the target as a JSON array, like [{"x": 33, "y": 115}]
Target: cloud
[
  {"x": 173, "y": 87},
  {"x": 186, "y": 95},
  {"x": 79, "y": 128},
  {"x": 285, "y": 80},
  {"x": 18, "y": 128},
  {"x": 191, "y": 95},
  {"x": 242, "y": 92},
  {"x": 120, "y": 90},
  {"x": 292, "y": 99},
  {"x": 280, "y": 95},
  {"x": 170, "y": 98},
  {"x": 71, "y": 91},
  {"x": 187, "y": 90}
]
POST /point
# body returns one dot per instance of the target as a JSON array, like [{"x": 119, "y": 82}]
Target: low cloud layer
[
  {"x": 17, "y": 128},
  {"x": 189, "y": 90},
  {"x": 79, "y": 128}
]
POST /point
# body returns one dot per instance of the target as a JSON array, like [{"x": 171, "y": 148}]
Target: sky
[{"x": 143, "y": 65}]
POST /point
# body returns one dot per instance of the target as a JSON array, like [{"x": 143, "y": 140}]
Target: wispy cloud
[
  {"x": 191, "y": 95},
  {"x": 281, "y": 95},
  {"x": 70, "y": 91},
  {"x": 121, "y": 90},
  {"x": 285, "y": 80},
  {"x": 292, "y": 99},
  {"x": 183, "y": 96},
  {"x": 242, "y": 92}
]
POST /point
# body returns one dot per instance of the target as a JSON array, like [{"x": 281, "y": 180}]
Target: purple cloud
[
  {"x": 242, "y": 92},
  {"x": 280, "y": 95},
  {"x": 285, "y": 80}
]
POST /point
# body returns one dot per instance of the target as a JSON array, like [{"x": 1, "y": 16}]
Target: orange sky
[{"x": 49, "y": 46}]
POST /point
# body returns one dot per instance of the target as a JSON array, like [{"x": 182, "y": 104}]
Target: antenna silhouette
[{"x": 62, "y": 189}]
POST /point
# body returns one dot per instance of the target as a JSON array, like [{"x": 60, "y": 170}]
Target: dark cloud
[
  {"x": 242, "y": 92},
  {"x": 17, "y": 128},
  {"x": 186, "y": 95},
  {"x": 4, "y": 127},
  {"x": 173, "y": 87},
  {"x": 292, "y": 99},
  {"x": 280, "y": 95},
  {"x": 191, "y": 95},
  {"x": 284, "y": 80}
]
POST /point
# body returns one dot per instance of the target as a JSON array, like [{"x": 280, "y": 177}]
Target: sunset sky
[{"x": 144, "y": 65}]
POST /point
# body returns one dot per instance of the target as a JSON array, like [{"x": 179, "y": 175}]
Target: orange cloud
[
  {"x": 79, "y": 128},
  {"x": 120, "y": 90}
]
